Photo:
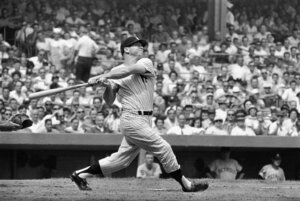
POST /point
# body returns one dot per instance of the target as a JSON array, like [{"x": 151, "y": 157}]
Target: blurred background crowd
[{"x": 246, "y": 83}]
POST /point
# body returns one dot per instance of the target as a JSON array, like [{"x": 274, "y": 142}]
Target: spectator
[
  {"x": 222, "y": 110},
  {"x": 5, "y": 95},
  {"x": 48, "y": 127},
  {"x": 85, "y": 50},
  {"x": 149, "y": 169},
  {"x": 100, "y": 126},
  {"x": 159, "y": 126},
  {"x": 273, "y": 171},
  {"x": 251, "y": 120},
  {"x": 112, "y": 121},
  {"x": 280, "y": 127},
  {"x": 229, "y": 123},
  {"x": 171, "y": 120},
  {"x": 74, "y": 128},
  {"x": 205, "y": 120},
  {"x": 217, "y": 128},
  {"x": 240, "y": 128},
  {"x": 225, "y": 167},
  {"x": 182, "y": 128},
  {"x": 90, "y": 120}
]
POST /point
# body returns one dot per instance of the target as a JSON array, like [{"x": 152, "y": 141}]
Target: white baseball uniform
[
  {"x": 136, "y": 94},
  {"x": 268, "y": 172}
]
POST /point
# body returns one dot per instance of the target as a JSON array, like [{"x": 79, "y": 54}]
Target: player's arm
[
  {"x": 140, "y": 173},
  {"x": 157, "y": 172},
  {"x": 141, "y": 67},
  {"x": 210, "y": 170},
  {"x": 240, "y": 173},
  {"x": 110, "y": 93},
  {"x": 119, "y": 73}
]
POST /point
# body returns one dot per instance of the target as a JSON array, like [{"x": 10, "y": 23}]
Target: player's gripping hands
[{"x": 99, "y": 80}]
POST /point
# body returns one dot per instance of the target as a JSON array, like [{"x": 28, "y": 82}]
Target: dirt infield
[{"x": 140, "y": 190}]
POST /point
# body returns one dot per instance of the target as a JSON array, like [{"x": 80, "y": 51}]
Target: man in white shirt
[
  {"x": 225, "y": 167},
  {"x": 171, "y": 119},
  {"x": 290, "y": 94},
  {"x": 38, "y": 61},
  {"x": 240, "y": 129},
  {"x": 217, "y": 128},
  {"x": 280, "y": 127},
  {"x": 149, "y": 169},
  {"x": 183, "y": 128},
  {"x": 239, "y": 70},
  {"x": 86, "y": 49},
  {"x": 17, "y": 93}
]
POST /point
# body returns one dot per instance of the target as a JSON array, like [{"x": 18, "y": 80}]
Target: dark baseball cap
[
  {"x": 276, "y": 157},
  {"x": 130, "y": 41}
]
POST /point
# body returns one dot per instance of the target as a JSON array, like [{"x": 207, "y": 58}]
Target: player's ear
[{"x": 126, "y": 50}]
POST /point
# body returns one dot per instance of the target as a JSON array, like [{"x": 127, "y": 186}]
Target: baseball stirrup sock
[
  {"x": 177, "y": 175},
  {"x": 93, "y": 170}
]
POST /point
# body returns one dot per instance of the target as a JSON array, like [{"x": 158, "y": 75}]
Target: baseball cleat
[
  {"x": 196, "y": 187},
  {"x": 80, "y": 182}
]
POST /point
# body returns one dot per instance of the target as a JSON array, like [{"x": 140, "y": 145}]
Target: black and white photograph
[{"x": 150, "y": 100}]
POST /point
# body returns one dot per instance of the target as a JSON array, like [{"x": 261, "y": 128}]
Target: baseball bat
[{"x": 50, "y": 92}]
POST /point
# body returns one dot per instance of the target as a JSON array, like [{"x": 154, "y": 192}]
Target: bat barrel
[{"x": 50, "y": 92}]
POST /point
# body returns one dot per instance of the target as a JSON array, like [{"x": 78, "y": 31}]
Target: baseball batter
[{"x": 134, "y": 81}]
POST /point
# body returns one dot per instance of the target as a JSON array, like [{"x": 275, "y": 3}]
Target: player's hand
[{"x": 101, "y": 80}]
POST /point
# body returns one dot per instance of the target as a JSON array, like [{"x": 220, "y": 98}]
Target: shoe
[
  {"x": 81, "y": 183},
  {"x": 196, "y": 187}
]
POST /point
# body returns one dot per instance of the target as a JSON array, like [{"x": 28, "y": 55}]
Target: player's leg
[
  {"x": 146, "y": 138},
  {"x": 117, "y": 161}
]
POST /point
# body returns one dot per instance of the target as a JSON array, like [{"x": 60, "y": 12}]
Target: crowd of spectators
[{"x": 246, "y": 83}]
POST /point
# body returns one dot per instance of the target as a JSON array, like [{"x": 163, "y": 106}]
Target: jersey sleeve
[
  {"x": 148, "y": 65},
  {"x": 238, "y": 166},
  {"x": 262, "y": 172},
  {"x": 117, "y": 81}
]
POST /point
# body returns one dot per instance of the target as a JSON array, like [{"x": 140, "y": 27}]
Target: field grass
[{"x": 140, "y": 190}]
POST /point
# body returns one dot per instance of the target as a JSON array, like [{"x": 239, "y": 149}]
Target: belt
[{"x": 145, "y": 112}]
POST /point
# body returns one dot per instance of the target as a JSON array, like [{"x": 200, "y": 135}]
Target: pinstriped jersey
[{"x": 136, "y": 91}]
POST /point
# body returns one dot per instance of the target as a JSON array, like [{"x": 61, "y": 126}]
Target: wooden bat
[{"x": 50, "y": 92}]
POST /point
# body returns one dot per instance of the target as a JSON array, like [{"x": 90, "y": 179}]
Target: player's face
[
  {"x": 149, "y": 159},
  {"x": 225, "y": 154},
  {"x": 276, "y": 163},
  {"x": 136, "y": 49}
]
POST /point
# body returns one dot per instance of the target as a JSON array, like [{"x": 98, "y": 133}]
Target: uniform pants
[
  {"x": 83, "y": 68},
  {"x": 138, "y": 134}
]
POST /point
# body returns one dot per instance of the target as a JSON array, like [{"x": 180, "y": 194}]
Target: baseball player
[
  {"x": 273, "y": 171},
  {"x": 134, "y": 81}
]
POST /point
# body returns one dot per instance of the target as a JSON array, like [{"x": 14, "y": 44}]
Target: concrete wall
[{"x": 29, "y": 156}]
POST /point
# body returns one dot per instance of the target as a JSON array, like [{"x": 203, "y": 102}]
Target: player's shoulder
[
  {"x": 146, "y": 61},
  {"x": 142, "y": 166},
  {"x": 268, "y": 166}
]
